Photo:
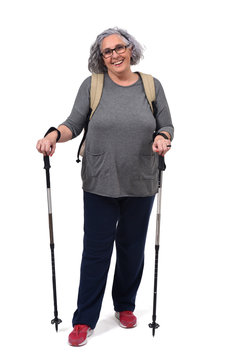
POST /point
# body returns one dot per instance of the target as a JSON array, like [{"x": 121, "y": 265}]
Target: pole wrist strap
[
  {"x": 161, "y": 134},
  {"x": 51, "y": 130}
]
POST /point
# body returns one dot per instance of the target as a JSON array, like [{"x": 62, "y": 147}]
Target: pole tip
[
  {"x": 153, "y": 326},
  {"x": 56, "y": 321}
]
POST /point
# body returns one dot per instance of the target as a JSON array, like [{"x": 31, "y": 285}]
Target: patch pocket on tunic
[
  {"x": 96, "y": 164},
  {"x": 147, "y": 168}
]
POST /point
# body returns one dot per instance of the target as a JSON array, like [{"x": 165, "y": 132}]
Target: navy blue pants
[{"x": 124, "y": 220}]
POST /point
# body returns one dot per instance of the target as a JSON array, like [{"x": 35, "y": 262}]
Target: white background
[{"x": 192, "y": 47}]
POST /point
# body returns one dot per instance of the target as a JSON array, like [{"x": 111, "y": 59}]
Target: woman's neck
[{"x": 124, "y": 79}]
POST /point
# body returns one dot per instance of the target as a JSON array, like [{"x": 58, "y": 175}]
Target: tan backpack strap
[
  {"x": 96, "y": 91},
  {"x": 95, "y": 96},
  {"x": 149, "y": 87}
]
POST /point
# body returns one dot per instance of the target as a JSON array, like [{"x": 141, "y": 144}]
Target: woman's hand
[
  {"x": 160, "y": 145},
  {"x": 47, "y": 145}
]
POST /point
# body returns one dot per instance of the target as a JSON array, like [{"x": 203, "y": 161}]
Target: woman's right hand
[{"x": 47, "y": 145}]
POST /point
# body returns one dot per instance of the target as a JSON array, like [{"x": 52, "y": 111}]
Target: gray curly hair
[{"x": 95, "y": 61}]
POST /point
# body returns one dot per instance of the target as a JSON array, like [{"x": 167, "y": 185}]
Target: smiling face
[{"x": 117, "y": 63}]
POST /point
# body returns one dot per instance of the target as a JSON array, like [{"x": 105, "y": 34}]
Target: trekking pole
[
  {"x": 161, "y": 168},
  {"x": 47, "y": 166}
]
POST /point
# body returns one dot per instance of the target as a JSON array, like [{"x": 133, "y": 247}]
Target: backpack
[{"x": 95, "y": 96}]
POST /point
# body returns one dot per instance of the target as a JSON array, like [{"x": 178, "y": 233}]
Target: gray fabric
[{"x": 118, "y": 159}]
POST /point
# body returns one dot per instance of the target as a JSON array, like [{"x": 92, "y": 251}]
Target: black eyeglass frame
[{"x": 115, "y": 49}]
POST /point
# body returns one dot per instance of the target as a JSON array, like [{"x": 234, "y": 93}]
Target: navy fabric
[{"x": 125, "y": 221}]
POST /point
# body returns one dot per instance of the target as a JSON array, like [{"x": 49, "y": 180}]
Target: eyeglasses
[{"x": 119, "y": 49}]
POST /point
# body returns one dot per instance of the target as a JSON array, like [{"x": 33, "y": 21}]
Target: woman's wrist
[
  {"x": 165, "y": 135},
  {"x": 161, "y": 135},
  {"x": 53, "y": 136},
  {"x": 56, "y": 134}
]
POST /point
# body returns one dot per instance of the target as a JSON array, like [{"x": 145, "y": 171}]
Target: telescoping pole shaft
[
  {"x": 161, "y": 168},
  {"x": 47, "y": 166}
]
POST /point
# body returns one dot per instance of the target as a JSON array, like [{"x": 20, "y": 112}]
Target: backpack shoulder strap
[
  {"x": 149, "y": 88},
  {"x": 95, "y": 96},
  {"x": 96, "y": 91}
]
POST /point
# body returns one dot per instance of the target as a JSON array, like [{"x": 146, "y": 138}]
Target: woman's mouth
[{"x": 117, "y": 63}]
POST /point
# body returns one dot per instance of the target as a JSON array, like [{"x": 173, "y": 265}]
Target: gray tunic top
[{"x": 118, "y": 159}]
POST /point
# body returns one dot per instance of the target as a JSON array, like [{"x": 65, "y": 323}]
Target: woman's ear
[{"x": 130, "y": 51}]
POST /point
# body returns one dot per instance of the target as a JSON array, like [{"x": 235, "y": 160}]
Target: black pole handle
[
  {"x": 47, "y": 168},
  {"x": 161, "y": 163},
  {"x": 46, "y": 162}
]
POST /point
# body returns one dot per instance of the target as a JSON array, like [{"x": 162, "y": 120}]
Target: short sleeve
[
  {"x": 78, "y": 116},
  {"x": 161, "y": 110}
]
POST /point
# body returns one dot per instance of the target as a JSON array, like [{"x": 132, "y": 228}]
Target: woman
[{"x": 119, "y": 174}]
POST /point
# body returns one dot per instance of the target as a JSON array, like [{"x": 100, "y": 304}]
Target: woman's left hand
[{"x": 160, "y": 145}]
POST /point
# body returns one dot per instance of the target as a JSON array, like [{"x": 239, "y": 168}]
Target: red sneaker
[
  {"x": 78, "y": 336},
  {"x": 126, "y": 319}
]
